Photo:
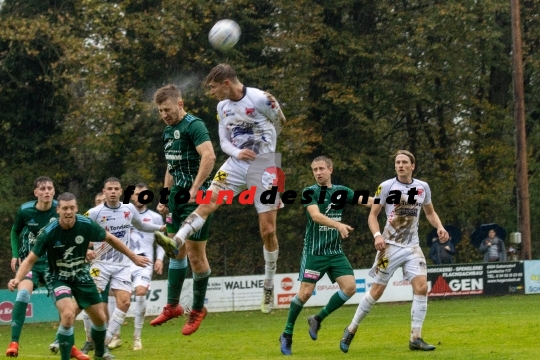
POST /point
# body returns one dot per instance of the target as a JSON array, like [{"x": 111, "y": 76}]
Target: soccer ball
[{"x": 224, "y": 34}]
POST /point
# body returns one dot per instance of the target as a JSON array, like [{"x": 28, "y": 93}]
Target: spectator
[
  {"x": 442, "y": 251},
  {"x": 493, "y": 248}
]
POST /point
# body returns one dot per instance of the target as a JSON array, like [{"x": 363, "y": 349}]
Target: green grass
[{"x": 505, "y": 327}]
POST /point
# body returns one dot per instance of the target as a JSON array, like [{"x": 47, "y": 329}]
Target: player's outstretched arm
[
  {"x": 324, "y": 220},
  {"x": 117, "y": 244},
  {"x": 24, "y": 269},
  {"x": 141, "y": 225},
  {"x": 369, "y": 202}
]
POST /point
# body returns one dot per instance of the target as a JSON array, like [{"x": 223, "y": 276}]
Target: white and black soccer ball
[{"x": 224, "y": 34}]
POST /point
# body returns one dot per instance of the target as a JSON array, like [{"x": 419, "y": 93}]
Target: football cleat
[
  {"x": 314, "y": 326},
  {"x": 55, "y": 346},
  {"x": 346, "y": 340},
  {"x": 13, "y": 349},
  {"x": 78, "y": 354},
  {"x": 194, "y": 321},
  {"x": 169, "y": 312},
  {"x": 87, "y": 347},
  {"x": 420, "y": 344},
  {"x": 285, "y": 344},
  {"x": 168, "y": 244},
  {"x": 137, "y": 344},
  {"x": 106, "y": 356},
  {"x": 267, "y": 303},
  {"x": 116, "y": 342}
]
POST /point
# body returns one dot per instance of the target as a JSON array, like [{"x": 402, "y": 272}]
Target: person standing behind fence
[
  {"x": 493, "y": 248},
  {"x": 442, "y": 251}
]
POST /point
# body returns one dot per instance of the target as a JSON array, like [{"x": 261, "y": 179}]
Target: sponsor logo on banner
[
  {"x": 246, "y": 284},
  {"x": 401, "y": 283},
  {"x": 287, "y": 283},
  {"x": 285, "y": 299},
  {"x": 330, "y": 287},
  {"x": 6, "y": 308},
  {"x": 360, "y": 285},
  {"x": 463, "y": 286}
]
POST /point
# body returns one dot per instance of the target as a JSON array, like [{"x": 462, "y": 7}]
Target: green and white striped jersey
[
  {"x": 319, "y": 239},
  {"x": 180, "y": 142}
]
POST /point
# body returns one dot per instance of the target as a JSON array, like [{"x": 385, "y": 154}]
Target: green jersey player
[
  {"x": 31, "y": 218},
  {"x": 65, "y": 243},
  {"x": 190, "y": 160},
  {"x": 323, "y": 253}
]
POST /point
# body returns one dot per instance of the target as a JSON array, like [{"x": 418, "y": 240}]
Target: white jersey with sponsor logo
[
  {"x": 250, "y": 123},
  {"x": 118, "y": 222},
  {"x": 142, "y": 242},
  {"x": 401, "y": 227}
]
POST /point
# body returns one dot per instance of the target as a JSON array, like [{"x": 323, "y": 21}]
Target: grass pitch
[{"x": 503, "y": 327}]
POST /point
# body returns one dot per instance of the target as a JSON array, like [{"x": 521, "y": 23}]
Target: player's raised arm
[{"x": 144, "y": 226}]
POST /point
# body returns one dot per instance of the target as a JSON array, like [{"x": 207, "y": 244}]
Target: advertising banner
[
  {"x": 532, "y": 277},
  {"x": 475, "y": 279},
  {"x": 40, "y": 308}
]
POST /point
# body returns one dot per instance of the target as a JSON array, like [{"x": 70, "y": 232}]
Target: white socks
[
  {"x": 270, "y": 265},
  {"x": 117, "y": 319},
  {"x": 87, "y": 326},
  {"x": 364, "y": 307},
  {"x": 140, "y": 310},
  {"x": 190, "y": 226},
  {"x": 418, "y": 314}
]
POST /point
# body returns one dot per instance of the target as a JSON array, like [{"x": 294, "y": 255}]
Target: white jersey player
[
  {"x": 110, "y": 266},
  {"x": 249, "y": 122},
  {"x": 398, "y": 246},
  {"x": 403, "y": 211}
]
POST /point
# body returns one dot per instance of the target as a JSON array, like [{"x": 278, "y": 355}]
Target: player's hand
[
  {"x": 14, "y": 263},
  {"x": 158, "y": 266},
  {"x": 443, "y": 234},
  {"x": 247, "y": 154},
  {"x": 162, "y": 209},
  {"x": 379, "y": 243},
  {"x": 163, "y": 228},
  {"x": 90, "y": 255},
  {"x": 141, "y": 261},
  {"x": 193, "y": 194},
  {"x": 12, "y": 284},
  {"x": 344, "y": 230}
]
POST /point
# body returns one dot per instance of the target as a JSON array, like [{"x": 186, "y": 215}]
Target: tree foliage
[{"x": 357, "y": 80}]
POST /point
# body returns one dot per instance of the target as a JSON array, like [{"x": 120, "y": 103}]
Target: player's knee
[
  {"x": 268, "y": 232},
  {"x": 67, "y": 317},
  {"x": 123, "y": 304},
  {"x": 141, "y": 291},
  {"x": 349, "y": 289}
]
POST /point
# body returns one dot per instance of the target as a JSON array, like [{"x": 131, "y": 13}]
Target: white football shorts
[
  {"x": 232, "y": 175},
  {"x": 411, "y": 259},
  {"x": 141, "y": 276},
  {"x": 118, "y": 276}
]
